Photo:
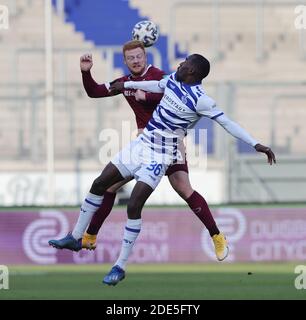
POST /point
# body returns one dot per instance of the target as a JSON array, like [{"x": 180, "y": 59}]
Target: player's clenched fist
[
  {"x": 140, "y": 95},
  {"x": 86, "y": 62}
]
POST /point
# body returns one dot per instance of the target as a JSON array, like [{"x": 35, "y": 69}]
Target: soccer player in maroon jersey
[{"x": 143, "y": 105}]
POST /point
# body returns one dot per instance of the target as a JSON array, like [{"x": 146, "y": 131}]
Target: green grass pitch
[{"x": 150, "y": 282}]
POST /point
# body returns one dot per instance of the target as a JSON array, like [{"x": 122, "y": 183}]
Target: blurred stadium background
[{"x": 50, "y": 132}]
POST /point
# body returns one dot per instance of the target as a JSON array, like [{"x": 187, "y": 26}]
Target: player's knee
[
  {"x": 182, "y": 193},
  {"x": 183, "y": 190},
  {"x": 98, "y": 187}
]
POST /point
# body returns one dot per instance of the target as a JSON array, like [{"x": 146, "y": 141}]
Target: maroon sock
[
  {"x": 199, "y": 206},
  {"x": 102, "y": 213}
]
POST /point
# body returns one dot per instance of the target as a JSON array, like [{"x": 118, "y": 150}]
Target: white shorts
[{"x": 138, "y": 160}]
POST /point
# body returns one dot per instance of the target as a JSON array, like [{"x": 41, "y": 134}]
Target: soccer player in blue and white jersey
[
  {"x": 143, "y": 105},
  {"x": 147, "y": 158}
]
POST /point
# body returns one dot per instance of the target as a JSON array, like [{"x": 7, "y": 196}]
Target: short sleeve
[
  {"x": 207, "y": 107},
  {"x": 163, "y": 82}
]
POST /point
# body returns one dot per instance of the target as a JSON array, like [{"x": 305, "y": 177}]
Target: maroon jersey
[{"x": 142, "y": 109}]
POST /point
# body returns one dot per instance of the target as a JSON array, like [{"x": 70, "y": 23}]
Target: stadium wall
[
  {"x": 30, "y": 188},
  {"x": 168, "y": 235}
]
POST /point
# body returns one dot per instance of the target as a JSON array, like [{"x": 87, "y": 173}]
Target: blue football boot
[
  {"x": 67, "y": 242},
  {"x": 114, "y": 276}
]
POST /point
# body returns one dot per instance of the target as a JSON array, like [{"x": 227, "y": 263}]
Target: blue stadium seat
[{"x": 108, "y": 22}]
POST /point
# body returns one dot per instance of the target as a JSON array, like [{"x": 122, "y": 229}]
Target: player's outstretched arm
[
  {"x": 150, "y": 86},
  {"x": 238, "y": 132}
]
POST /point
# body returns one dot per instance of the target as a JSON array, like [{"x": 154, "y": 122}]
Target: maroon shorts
[
  {"x": 177, "y": 167},
  {"x": 180, "y": 161}
]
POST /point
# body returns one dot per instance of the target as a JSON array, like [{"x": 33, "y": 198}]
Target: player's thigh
[
  {"x": 109, "y": 176},
  {"x": 128, "y": 159},
  {"x": 114, "y": 188}
]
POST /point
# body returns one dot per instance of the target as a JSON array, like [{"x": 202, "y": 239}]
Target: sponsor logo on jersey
[{"x": 184, "y": 99}]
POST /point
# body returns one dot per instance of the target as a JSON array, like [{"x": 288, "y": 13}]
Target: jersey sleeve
[
  {"x": 236, "y": 130},
  {"x": 207, "y": 107},
  {"x": 151, "y": 86},
  {"x": 163, "y": 82},
  {"x": 93, "y": 89},
  {"x": 154, "y": 98}
]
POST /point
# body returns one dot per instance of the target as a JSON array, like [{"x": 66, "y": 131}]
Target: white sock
[
  {"x": 131, "y": 232},
  {"x": 89, "y": 206}
]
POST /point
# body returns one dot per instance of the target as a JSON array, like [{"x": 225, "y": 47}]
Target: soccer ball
[{"x": 147, "y": 32}]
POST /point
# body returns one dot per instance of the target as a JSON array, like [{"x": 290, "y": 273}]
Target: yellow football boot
[
  {"x": 221, "y": 247},
  {"x": 89, "y": 241}
]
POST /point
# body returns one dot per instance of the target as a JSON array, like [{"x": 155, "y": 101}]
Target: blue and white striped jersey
[{"x": 179, "y": 110}]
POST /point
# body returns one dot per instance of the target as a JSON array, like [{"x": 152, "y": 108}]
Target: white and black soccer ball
[{"x": 146, "y": 31}]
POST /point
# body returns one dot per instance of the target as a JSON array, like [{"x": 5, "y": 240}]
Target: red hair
[{"x": 130, "y": 45}]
